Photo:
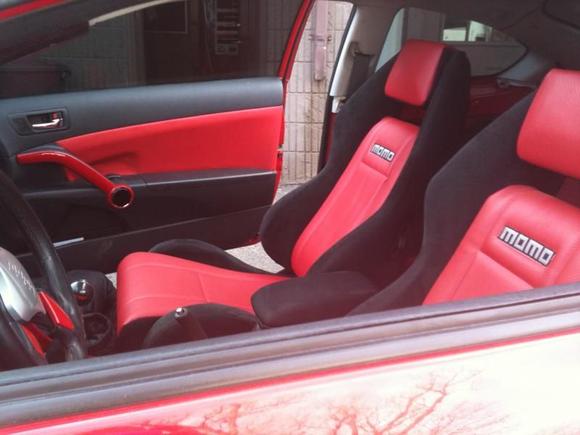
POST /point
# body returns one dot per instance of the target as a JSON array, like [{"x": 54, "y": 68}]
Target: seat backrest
[
  {"x": 523, "y": 236},
  {"x": 334, "y": 221}
]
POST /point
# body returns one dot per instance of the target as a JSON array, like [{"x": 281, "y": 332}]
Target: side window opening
[
  {"x": 489, "y": 50},
  {"x": 173, "y": 42}
]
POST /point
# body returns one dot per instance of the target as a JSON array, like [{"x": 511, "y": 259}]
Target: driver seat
[{"x": 353, "y": 216}]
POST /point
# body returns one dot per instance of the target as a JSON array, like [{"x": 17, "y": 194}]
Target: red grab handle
[{"x": 118, "y": 195}]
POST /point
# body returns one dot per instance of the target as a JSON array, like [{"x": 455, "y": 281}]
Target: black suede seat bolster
[
  {"x": 285, "y": 221},
  {"x": 206, "y": 253},
  {"x": 488, "y": 163},
  {"x": 370, "y": 249},
  {"x": 212, "y": 320},
  {"x": 315, "y": 297}
]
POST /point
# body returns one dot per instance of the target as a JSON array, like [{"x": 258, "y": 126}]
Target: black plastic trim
[
  {"x": 168, "y": 205},
  {"x": 103, "y": 383},
  {"x": 104, "y": 254}
]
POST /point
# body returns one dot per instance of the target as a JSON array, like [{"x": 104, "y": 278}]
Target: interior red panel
[
  {"x": 239, "y": 139},
  {"x": 492, "y": 260},
  {"x": 152, "y": 285},
  {"x": 361, "y": 190},
  {"x": 413, "y": 75},
  {"x": 490, "y": 98},
  {"x": 549, "y": 135}
]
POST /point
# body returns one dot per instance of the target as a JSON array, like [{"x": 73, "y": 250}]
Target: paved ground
[{"x": 255, "y": 254}]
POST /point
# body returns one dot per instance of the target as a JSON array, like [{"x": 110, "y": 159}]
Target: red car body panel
[
  {"x": 490, "y": 389},
  {"x": 285, "y": 68}
]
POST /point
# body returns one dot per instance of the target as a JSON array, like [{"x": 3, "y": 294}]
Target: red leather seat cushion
[
  {"x": 412, "y": 78},
  {"x": 521, "y": 239},
  {"x": 361, "y": 190},
  {"x": 152, "y": 285},
  {"x": 550, "y": 134}
]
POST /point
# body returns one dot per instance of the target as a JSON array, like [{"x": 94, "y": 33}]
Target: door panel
[
  {"x": 201, "y": 159},
  {"x": 239, "y": 139},
  {"x": 179, "y": 101},
  {"x": 102, "y": 110}
]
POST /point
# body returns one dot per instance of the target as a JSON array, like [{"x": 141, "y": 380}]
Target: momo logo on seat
[
  {"x": 533, "y": 249},
  {"x": 382, "y": 152}
]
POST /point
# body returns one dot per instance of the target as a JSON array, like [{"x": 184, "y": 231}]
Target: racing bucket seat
[
  {"x": 347, "y": 226},
  {"x": 504, "y": 214}
]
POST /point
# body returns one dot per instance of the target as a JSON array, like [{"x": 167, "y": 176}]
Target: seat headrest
[
  {"x": 550, "y": 134},
  {"x": 413, "y": 75}
]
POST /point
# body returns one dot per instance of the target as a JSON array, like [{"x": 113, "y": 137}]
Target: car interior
[{"x": 449, "y": 170}]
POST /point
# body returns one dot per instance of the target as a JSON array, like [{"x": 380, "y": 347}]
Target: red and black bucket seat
[
  {"x": 351, "y": 219},
  {"x": 504, "y": 214}
]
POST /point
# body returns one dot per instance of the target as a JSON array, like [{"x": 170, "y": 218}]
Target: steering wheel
[{"x": 32, "y": 319}]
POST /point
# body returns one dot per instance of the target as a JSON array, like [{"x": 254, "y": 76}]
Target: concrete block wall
[{"x": 307, "y": 98}]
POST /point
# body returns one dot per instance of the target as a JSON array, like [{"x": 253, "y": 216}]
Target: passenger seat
[{"x": 494, "y": 222}]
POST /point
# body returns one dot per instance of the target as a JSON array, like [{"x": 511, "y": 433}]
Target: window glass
[
  {"x": 472, "y": 31},
  {"x": 489, "y": 50},
  {"x": 174, "y": 42}
]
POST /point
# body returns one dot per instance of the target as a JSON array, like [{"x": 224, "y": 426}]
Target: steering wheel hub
[{"x": 17, "y": 291}]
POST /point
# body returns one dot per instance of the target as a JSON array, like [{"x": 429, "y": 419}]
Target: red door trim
[
  {"x": 245, "y": 138},
  {"x": 118, "y": 195},
  {"x": 285, "y": 69},
  {"x": 26, "y": 8}
]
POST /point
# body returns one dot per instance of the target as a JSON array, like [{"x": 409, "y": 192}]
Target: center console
[{"x": 95, "y": 295}]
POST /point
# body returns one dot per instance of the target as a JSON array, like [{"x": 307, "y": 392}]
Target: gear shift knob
[{"x": 83, "y": 291}]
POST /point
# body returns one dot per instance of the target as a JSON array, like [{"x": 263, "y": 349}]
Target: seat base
[
  {"x": 151, "y": 285},
  {"x": 203, "y": 252}
]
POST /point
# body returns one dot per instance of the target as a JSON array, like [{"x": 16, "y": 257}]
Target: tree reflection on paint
[{"x": 423, "y": 410}]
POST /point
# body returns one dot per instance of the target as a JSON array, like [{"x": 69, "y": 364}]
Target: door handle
[
  {"x": 55, "y": 123},
  {"x": 41, "y": 122}
]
